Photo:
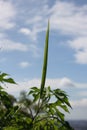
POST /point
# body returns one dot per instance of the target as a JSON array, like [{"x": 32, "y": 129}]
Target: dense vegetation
[{"x": 38, "y": 112}]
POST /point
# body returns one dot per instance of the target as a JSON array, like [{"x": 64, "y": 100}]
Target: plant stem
[{"x": 44, "y": 71}]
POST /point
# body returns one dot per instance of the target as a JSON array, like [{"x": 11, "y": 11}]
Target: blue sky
[{"x": 22, "y": 35}]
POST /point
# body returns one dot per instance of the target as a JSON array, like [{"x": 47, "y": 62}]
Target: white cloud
[
  {"x": 69, "y": 18},
  {"x": 32, "y": 34},
  {"x": 7, "y": 14},
  {"x": 24, "y": 64},
  {"x": 37, "y": 18},
  {"x": 72, "y": 20},
  {"x": 26, "y": 85},
  {"x": 80, "y": 47},
  {"x": 79, "y": 43},
  {"x": 79, "y": 110},
  {"x": 25, "y": 31},
  {"x": 62, "y": 83},
  {"x": 66, "y": 82},
  {"x": 8, "y": 45},
  {"x": 66, "y": 18},
  {"x": 79, "y": 103},
  {"x": 81, "y": 85},
  {"x": 81, "y": 57}
]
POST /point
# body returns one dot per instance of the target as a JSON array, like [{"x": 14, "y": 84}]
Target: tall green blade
[{"x": 44, "y": 71}]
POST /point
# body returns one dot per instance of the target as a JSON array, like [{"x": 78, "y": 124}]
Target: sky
[{"x": 22, "y": 36}]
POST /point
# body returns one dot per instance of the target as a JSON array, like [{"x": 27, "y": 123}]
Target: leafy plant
[
  {"x": 6, "y": 101},
  {"x": 48, "y": 115},
  {"x": 11, "y": 116},
  {"x": 43, "y": 112}
]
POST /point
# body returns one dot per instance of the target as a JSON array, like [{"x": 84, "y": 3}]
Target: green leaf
[
  {"x": 3, "y": 79},
  {"x": 60, "y": 115},
  {"x": 9, "y": 80},
  {"x": 31, "y": 92},
  {"x": 44, "y": 71},
  {"x": 52, "y": 110},
  {"x": 3, "y": 75},
  {"x": 67, "y": 101},
  {"x": 10, "y": 128},
  {"x": 1, "y": 88},
  {"x": 34, "y": 90},
  {"x": 36, "y": 97},
  {"x": 64, "y": 107}
]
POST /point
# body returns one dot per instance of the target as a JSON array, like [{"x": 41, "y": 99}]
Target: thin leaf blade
[{"x": 44, "y": 71}]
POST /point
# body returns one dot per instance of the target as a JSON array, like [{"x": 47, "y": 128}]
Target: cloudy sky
[{"x": 22, "y": 34}]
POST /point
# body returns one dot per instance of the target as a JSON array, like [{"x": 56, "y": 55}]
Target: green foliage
[
  {"x": 43, "y": 112},
  {"x": 48, "y": 114},
  {"x": 11, "y": 128},
  {"x": 4, "y": 78},
  {"x": 6, "y": 101}
]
